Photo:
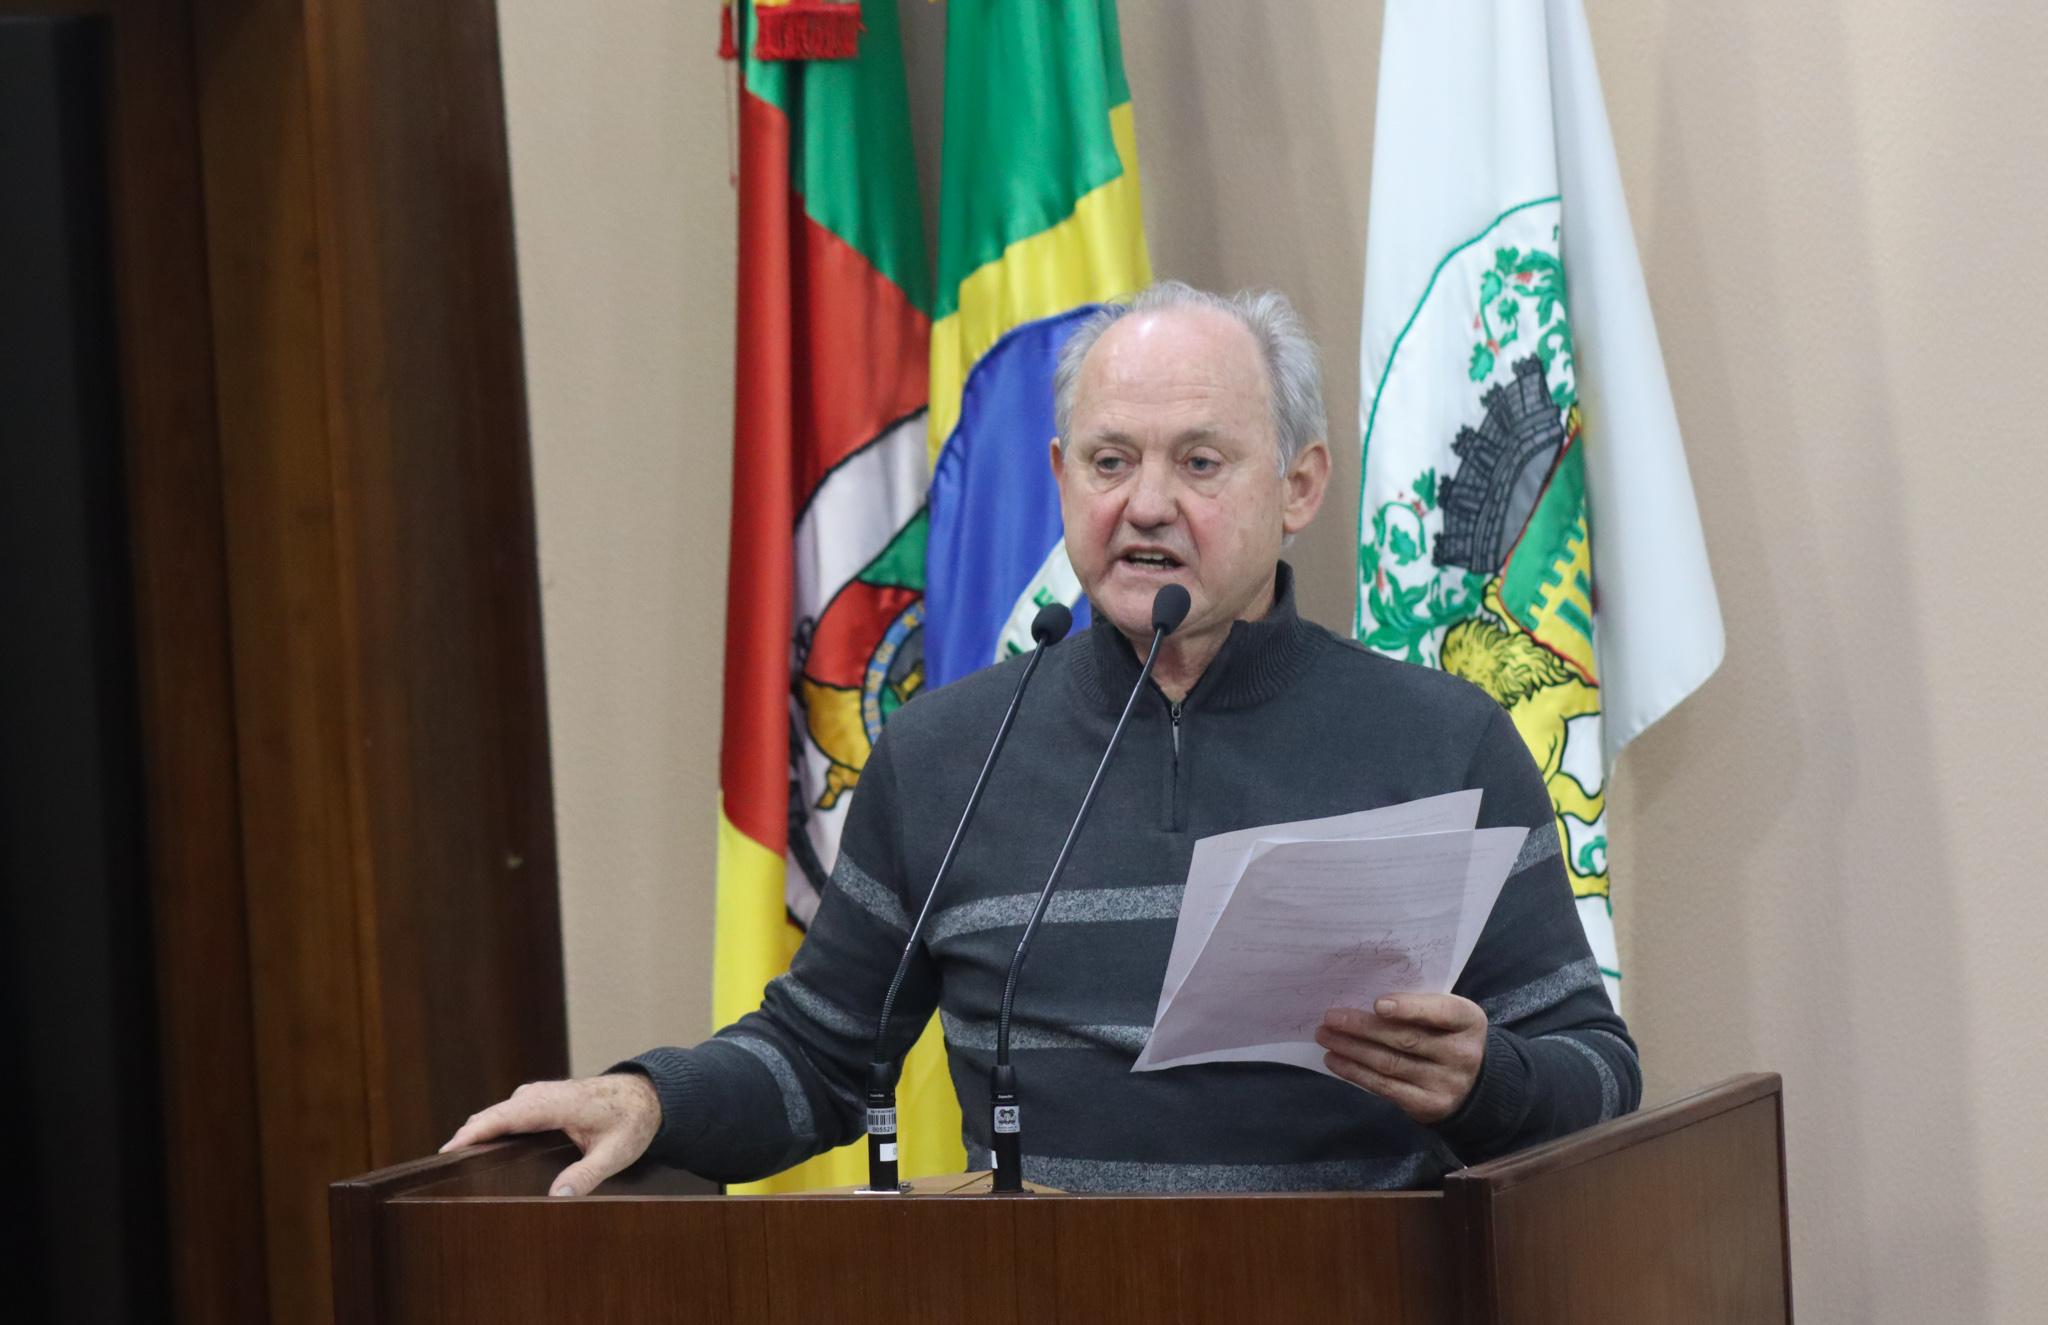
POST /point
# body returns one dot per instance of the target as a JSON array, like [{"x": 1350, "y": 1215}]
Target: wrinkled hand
[
  {"x": 610, "y": 1118},
  {"x": 1420, "y": 1052}
]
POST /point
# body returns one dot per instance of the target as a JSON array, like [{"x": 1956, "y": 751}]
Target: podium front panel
[
  {"x": 849, "y": 1259},
  {"x": 1676, "y": 1214}
]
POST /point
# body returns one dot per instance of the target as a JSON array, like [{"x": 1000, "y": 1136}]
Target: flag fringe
[
  {"x": 808, "y": 30},
  {"x": 728, "y": 49}
]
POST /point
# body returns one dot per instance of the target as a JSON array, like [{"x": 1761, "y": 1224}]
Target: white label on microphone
[
  {"x": 881, "y": 1120},
  {"x": 888, "y": 1149},
  {"x": 1006, "y": 1117}
]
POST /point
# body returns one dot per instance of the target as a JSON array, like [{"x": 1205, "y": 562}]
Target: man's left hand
[{"x": 1420, "y": 1052}]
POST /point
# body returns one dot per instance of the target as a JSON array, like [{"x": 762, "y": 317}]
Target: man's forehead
[
  {"x": 1165, "y": 336},
  {"x": 1200, "y": 350}
]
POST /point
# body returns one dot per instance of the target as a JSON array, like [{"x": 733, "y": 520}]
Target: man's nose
[{"x": 1153, "y": 501}]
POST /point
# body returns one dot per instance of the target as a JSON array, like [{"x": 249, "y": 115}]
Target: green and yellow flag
[{"x": 1039, "y": 221}]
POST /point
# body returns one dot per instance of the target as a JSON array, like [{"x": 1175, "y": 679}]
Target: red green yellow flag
[{"x": 824, "y": 593}]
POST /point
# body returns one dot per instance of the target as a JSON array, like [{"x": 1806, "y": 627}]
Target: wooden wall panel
[
  {"x": 398, "y": 843},
  {"x": 297, "y": 728},
  {"x": 351, "y": 838},
  {"x": 205, "y": 1046},
  {"x": 425, "y": 375}
]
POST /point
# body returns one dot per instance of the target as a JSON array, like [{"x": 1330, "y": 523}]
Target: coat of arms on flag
[
  {"x": 1481, "y": 561},
  {"x": 1525, "y": 517}
]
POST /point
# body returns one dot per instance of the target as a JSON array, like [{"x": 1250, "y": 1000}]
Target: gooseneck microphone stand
[
  {"x": 1049, "y": 627},
  {"x": 1169, "y": 609}
]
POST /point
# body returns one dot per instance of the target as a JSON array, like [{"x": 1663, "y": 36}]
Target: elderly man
[{"x": 1190, "y": 448}]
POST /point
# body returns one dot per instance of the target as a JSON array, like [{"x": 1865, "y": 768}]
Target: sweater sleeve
[
  {"x": 785, "y": 1082},
  {"x": 1558, "y": 1055}
]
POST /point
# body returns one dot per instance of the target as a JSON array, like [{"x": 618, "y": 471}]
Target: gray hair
[{"x": 1294, "y": 372}]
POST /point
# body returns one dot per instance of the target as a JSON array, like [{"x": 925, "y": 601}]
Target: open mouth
[{"x": 1152, "y": 561}]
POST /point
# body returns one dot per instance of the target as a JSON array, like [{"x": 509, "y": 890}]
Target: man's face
[{"x": 1170, "y": 474}]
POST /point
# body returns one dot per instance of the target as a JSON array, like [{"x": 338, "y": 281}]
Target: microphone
[
  {"x": 1169, "y": 609},
  {"x": 1049, "y": 627}
]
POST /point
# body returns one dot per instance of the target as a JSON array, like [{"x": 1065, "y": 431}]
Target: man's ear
[
  {"x": 1058, "y": 460},
  {"x": 1307, "y": 479}
]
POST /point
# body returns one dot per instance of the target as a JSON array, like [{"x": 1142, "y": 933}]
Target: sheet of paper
[
  {"x": 1318, "y": 924},
  {"x": 1219, "y": 861}
]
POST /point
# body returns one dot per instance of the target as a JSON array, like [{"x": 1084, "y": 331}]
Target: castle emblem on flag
[{"x": 1485, "y": 569}]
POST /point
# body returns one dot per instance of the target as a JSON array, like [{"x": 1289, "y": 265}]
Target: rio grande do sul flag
[
  {"x": 1526, "y": 519},
  {"x": 824, "y": 589}
]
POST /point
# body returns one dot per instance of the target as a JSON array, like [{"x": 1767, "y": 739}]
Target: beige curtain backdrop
[{"x": 1829, "y": 862}]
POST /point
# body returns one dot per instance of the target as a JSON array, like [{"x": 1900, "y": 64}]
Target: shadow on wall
[{"x": 1788, "y": 860}]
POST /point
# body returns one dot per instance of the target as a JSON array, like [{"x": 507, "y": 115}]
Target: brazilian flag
[{"x": 1039, "y": 223}]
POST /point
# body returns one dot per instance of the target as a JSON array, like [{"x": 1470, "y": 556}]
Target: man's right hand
[{"x": 611, "y": 1119}]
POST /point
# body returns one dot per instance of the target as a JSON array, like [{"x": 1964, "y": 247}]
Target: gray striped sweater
[{"x": 1289, "y": 722}]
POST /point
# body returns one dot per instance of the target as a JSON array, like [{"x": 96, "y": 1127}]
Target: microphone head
[
  {"x": 1051, "y": 624},
  {"x": 1169, "y": 608}
]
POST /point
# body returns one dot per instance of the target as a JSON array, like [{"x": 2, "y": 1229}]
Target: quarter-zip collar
[{"x": 1258, "y": 660}]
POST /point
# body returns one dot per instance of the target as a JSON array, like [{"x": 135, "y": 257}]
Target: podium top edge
[
  {"x": 1620, "y": 1133},
  {"x": 853, "y": 1195}
]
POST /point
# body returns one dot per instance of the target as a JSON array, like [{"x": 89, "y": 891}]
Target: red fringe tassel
[
  {"x": 808, "y": 30},
  {"x": 727, "y": 49}
]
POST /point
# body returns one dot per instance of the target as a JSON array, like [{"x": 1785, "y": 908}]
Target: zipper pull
[{"x": 1173, "y": 711}]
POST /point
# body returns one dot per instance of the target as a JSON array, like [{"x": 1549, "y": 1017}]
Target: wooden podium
[{"x": 1673, "y": 1214}]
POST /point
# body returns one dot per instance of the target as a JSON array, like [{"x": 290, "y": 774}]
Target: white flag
[{"x": 1526, "y": 521}]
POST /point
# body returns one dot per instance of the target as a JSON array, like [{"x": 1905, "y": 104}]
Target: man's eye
[
  {"x": 1204, "y": 464},
  {"x": 1108, "y": 464}
]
